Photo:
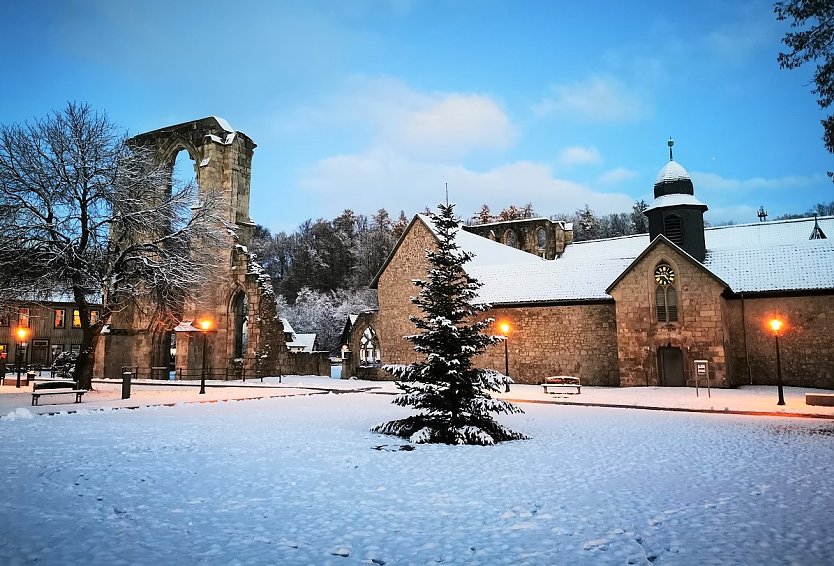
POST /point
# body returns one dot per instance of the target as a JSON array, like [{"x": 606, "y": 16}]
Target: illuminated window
[
  {"x": 76, "y": 318},
  {"x": 23, "y": 317},
  {"x": 60, "y": 318}
]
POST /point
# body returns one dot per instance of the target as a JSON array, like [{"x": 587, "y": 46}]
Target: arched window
[
  {"x": 369, "y": 347},
  {"x": 541, "y": 239},
  {"x": 240, "y": 314},
  {"x": 672, "y": 229},
  {"x": 665, "y": 294},
  {"x": 511, "y": 239}
]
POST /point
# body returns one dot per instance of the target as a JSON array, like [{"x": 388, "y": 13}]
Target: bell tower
[{"x": 675, "y": 212}]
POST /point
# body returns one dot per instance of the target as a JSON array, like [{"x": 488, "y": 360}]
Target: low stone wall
[{"x": 307, "y": 363}]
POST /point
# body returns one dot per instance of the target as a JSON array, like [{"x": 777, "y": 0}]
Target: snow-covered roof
[
  {"x": 287, "y": 325},
  {"x": 223, "y": 124},
  {"x": 760, "y": 257},
  {"x": 486, "y": 251},
  {"x": 675, "y": 199},
  {"x": 672, "y": 171},
  {"x": 303, "y": 341}
]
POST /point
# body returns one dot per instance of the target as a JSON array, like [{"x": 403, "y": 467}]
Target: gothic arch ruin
[{"x": 241, "y": 302}]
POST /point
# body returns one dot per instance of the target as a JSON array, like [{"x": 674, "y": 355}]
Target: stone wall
[
  {"x": 222, "y": 163},
  {"x": 308, "y": 363},
  {"x": 577, "y": 340},
  {"x": 806, "y": 342},
  {"x": 701, "y": 329},
  {"x": 556, "y": 236},
  {"x": 394, "y": 292}
]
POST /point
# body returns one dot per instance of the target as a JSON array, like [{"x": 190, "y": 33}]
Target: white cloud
[
  {"x": 617, "y": 175},
  {"x": 381, "y": 178},
  {"x": 445, "y": 125},
  {"x": 457, "y": 123},
  {"x": 600, "y": 98},
  {"x": 713, "y": 182},
  {"x": 579, "y": 155}
]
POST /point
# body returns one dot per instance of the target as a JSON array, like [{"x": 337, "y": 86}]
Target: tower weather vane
[{"x": 670, "y": 143}]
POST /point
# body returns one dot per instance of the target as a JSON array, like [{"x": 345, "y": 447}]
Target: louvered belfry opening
[{"x": 672, "y": 229}]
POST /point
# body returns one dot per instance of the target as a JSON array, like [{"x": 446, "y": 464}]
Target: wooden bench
[
  {"x": 56, "y": 388},
  {"x": 560, "y": 382},
  {"x": 820, "y": 399}
]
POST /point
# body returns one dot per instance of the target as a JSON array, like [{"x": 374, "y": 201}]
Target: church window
[
  {"x": 541, "y": 239},
  {"x": 672, "y": 229},
  {"x": 666, "y": 296},
  {"x": 369, "y": 348}
]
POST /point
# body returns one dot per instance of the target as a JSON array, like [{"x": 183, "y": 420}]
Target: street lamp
[
  {"x": 205, "y": 326},
  {"x": 22, "y": 333},
  {"x": 505, "y": 330},
  {"x": 775, "y": 325}
]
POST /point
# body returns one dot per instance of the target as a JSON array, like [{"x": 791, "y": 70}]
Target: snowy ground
[{"x": 300, "y": 480}]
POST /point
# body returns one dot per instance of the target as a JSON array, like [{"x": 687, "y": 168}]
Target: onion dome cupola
[{"x": 675, "y": 212}]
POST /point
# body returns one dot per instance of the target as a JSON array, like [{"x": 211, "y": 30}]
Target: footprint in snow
[{"x": 342, "y": 551}]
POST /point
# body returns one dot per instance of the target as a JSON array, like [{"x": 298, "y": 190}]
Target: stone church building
[{"x": 635, "y": 310}]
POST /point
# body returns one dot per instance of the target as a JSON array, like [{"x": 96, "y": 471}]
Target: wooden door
[{"x": 670, "y": 363}]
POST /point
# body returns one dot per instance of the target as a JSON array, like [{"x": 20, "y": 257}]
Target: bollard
[{"x": 126, "y": 376}]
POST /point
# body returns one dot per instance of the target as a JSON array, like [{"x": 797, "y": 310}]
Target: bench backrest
[{"x": 55, "y": 385}]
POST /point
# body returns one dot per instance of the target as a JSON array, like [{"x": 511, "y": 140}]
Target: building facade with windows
[
  {"x": 641, "y": 310},
  {"x": 53, "y": 327}
]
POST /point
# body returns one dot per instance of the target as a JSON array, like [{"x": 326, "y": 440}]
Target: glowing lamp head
[
  {"x": 505, "y": 328},
  {"x": 775, "y": 325},
  {"x": 22, "y": 333},
  {"x": 205, "y": 324}
]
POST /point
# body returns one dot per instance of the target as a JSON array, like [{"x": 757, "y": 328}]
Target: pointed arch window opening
[
  {"x": 240, "y": 312},
  {"x": 666, "y": 301},
  {"x": 511, "y": 239},
  {"x": 369, "y": 352}
]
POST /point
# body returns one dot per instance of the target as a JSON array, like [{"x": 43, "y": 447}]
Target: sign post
[{"x": 702, "y": 371}]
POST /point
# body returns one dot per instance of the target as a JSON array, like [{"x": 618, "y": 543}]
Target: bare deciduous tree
[{"x": 85, "y": 214}]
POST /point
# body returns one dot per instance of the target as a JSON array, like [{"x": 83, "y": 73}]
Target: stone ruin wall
[{"x": 222, "y": 162}]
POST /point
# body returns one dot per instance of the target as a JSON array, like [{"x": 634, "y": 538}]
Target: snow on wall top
[
  {"x": 675, "y": 200},
  {"x": 224, "y": 124},
  {"x": 672, "y": 171},
  {"x": 760, "y": 257}
]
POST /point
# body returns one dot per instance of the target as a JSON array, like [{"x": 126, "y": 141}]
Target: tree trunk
[{"x": 87, "y": 357}]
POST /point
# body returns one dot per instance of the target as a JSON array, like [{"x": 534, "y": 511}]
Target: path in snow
[{"x": 300, "y": 480}]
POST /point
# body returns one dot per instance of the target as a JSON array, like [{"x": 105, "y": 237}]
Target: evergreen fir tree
[{"x": 453, "y": 397}]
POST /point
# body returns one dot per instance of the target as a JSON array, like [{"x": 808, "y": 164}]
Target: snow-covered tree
[
  {"x": 453, "y": 397},
  {"x": 84, "y": 213}
]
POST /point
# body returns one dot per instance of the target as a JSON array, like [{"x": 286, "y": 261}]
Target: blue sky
[{"x": 368, "y": 104}]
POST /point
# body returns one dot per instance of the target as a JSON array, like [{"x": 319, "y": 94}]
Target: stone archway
[{"x": 223, "y": 164}]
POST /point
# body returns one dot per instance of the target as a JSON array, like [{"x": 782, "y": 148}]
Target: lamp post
[
  {"x": 205, "y": 327},
  {"x": 22, "y": 333},
  {"x": 505, "y": 330},
  {"x": 776, "y": 324}
]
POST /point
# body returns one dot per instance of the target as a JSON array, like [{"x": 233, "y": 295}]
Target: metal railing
[{"x": 232, "y": 372}]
